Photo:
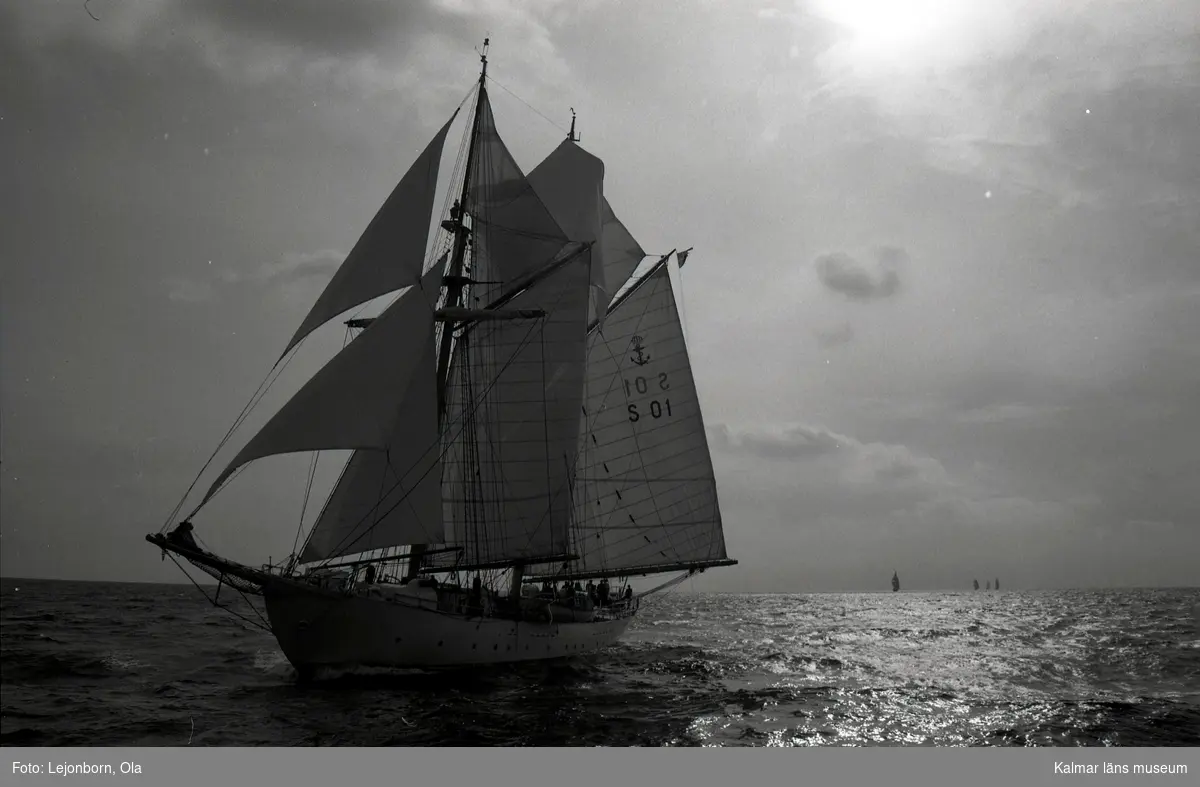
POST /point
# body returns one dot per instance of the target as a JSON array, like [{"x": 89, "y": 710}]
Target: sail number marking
[{"x": 641, "y": 385}]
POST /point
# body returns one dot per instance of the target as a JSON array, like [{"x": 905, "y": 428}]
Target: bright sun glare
[{"x": 890, "y": 28}]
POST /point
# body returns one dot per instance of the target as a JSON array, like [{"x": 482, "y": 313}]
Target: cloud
[
  {"x": 852, "y": 279},
  {"x": 1000, "y": 413},
  {"x": 855, "y": 462},
  {"x": 300, "y": 265},
  {"x": 837, "y": 336},
  {"x": 292, "y": 266},
  {"x": 189, "y": 291},
  {"x": 333, "y": 28}
]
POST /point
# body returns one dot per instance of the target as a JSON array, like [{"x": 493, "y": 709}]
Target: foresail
[
  {"x": 645, "y": 494},
  {"x": 391, "y": 497},
  {"x": 514, "y": 407},
  {"x": 353, "y": 401},
  {"x": 391, "y": 252}
]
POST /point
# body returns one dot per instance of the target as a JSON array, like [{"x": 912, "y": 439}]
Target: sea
[{"x": 107, "y": 664}]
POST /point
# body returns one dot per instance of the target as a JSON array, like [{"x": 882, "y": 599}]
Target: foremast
[{"x": 455, "y": 281}]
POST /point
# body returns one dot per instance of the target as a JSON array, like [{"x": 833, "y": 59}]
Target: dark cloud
[
  {"x": 333, "y": 28},
  {"x": 856, "y": 281}
]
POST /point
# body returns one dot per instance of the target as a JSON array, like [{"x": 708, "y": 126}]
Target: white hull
[{"x": 318, "y": 628}]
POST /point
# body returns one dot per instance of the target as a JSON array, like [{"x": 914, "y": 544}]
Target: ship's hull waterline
[{"x": 319, "y": 630}]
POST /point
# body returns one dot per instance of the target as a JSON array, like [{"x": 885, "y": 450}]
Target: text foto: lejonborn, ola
[{"x": 75, "y": 768}]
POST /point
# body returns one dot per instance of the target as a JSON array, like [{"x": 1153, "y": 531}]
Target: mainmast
[{"x": 454, "y": 281}]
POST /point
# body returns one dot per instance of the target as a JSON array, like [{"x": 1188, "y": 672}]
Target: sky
[{"x": 943, "y": 308}]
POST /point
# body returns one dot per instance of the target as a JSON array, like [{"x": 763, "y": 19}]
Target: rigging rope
[{"x": 526, "y": 103}]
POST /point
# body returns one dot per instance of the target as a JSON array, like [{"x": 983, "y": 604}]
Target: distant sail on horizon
[
  {"x": 977, "y": 584},
  {"x": 997, "y": 583},
  {"x": 895, "y": 581}
]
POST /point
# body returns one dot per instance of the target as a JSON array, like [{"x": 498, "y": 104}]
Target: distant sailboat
[
  {"x": 895, "y": 582},
  {"x": 997, "y": 583},
  {"x": 977, "y": 584}
]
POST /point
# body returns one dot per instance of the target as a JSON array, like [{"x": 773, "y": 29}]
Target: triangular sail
[
  {"x": 570, "y": 182},
  {"x": 391, "y": 497},
  {"x": 622, "y": 254},
  {"x": 567, "y": 182},
  {"x": 514, "y": 232},
  {"x": 645, "y": 493},
  {"x": 354, "y": 400},
  {"x": 391, "y": 252}
]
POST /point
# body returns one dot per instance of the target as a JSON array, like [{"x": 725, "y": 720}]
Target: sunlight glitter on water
[{"x": 1012, "y": 669}]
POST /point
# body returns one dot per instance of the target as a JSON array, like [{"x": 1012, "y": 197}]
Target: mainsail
[
  {"x": 513, "y": 424},
  {"x": 645, "y": 494}
]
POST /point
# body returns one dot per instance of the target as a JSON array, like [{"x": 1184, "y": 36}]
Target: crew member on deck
[
  {"x": 475, "y": 597},
  {"x": 602, "y": 592}
]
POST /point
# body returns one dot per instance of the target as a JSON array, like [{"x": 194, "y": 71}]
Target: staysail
[
  {"x": 355, "y": 400},
  {"x": 622, "y": 254},
  {"x": 391, "y": 497},
  {"x": 645, "y": 493},
  {"x": 390, "y": 254}
]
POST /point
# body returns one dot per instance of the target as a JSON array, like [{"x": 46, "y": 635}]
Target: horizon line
[{"x": 7, "y": 578}]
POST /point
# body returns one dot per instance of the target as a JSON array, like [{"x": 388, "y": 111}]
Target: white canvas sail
[
  {"x": 645, "y": 494},
  {"x": 391, "y": 252},
  {"x": 622, "y": 254},
  {"x": 515, "y": 408},
  {"x": 391, "y": 497},
  {"x": 570, "y": 183},
  {"x": 354, "y": 400},
  {"x": 514, "y": 232}
]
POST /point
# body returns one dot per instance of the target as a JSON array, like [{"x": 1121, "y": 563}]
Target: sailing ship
[
  {"x": 977, "y": 584},
  {"x": 522, "y": 415},
  {"x": 997, "y": 583},
  {"x": 895, "y": 582}
]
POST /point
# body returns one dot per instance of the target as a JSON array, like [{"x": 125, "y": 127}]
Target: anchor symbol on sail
[{"x": 641, "y": 359}]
